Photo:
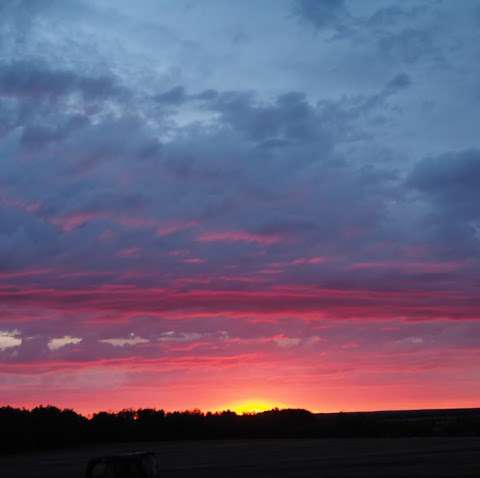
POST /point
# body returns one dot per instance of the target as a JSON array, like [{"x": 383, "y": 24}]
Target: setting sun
[{"x": 253, "y": 406}]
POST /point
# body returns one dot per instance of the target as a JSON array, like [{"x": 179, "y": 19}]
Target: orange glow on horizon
[{"x": 253, "y": 406}]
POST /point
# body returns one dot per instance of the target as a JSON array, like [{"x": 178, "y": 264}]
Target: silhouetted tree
[{"x": 46, "y": 427}]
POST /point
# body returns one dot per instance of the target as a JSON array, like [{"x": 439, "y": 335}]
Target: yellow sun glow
[{"x": 253, "y": 406}]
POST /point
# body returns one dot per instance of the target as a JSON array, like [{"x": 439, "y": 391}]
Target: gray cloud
[
  {"x": 321, "y": 13},
  {"x": 449, "y": 183},
  {"x": 36, "y": 80},
  {"x": 175, "y": 96},
  {"x": 451, "y": 180},
  {"x": 409, "y": 46}
]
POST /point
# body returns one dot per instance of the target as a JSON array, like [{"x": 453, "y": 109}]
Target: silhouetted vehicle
[{"x": 130, "y": 465}]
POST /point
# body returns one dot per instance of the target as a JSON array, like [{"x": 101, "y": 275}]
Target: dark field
[{"x": 395, "y": 457}]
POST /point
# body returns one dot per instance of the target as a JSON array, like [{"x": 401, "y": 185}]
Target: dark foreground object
[
  {"x": 339, "y": 458},
  {"x": 124, "y": 465}
]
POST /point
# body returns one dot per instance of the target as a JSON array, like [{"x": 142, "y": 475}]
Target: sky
[{"x": 206, "y": 203}]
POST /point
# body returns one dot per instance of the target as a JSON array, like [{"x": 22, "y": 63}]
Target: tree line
[{"x": 50, "y": 427}]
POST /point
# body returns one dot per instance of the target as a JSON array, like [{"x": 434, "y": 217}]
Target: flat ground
[{"x": 404, "y": 457}]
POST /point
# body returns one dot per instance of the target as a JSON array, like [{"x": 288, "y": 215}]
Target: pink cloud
[
  {"x": 278, "y": 301},
  {"x": 129, "y": 252},
  {"x": 194, "y": 260},
  {"x": 240, "y": 236},
  {"x": 409, "y": 266},
  {"x": 175, "y": 226},
  {"x": 69, "y": 222},
  {"x": 308, "y": 261},
  {"x": 21, "y": 204},
  {"x": 5, "y": 276}
]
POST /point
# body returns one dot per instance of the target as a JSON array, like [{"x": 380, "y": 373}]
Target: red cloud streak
[{"x": 275, "y": 301}]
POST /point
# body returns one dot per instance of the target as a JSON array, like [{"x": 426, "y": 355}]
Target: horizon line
[{"x": 219, "y": 411}]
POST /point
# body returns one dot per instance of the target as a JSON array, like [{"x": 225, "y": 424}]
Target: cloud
[
  {"x": 37, "y": 80},
  {"x": 287, "y": 342},
  {"x": 393, "y": 15},
  {"x": 175, "y": 96},
  {"x": 451, "y": 181},
  {"x": 289, "y": 118},
  {"x": 321, "y": 13},
  {"x": 409, "y": 46},
  {"x": 449, "y": 184},
  {"x": 57, "y": 343},
  {"x": 399, "y": 82},
  {"x": 129, "y": 341},
  {"x": 346, "y": 300},
  {"x": 412, "y": 341},
  {"x": 239, "y": 236},
  {"x": 172, "y": 336},
  {"x": 9, "y": 339}
]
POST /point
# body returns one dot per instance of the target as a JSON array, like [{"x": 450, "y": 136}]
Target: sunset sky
[{"x": 218, "y": 203}]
